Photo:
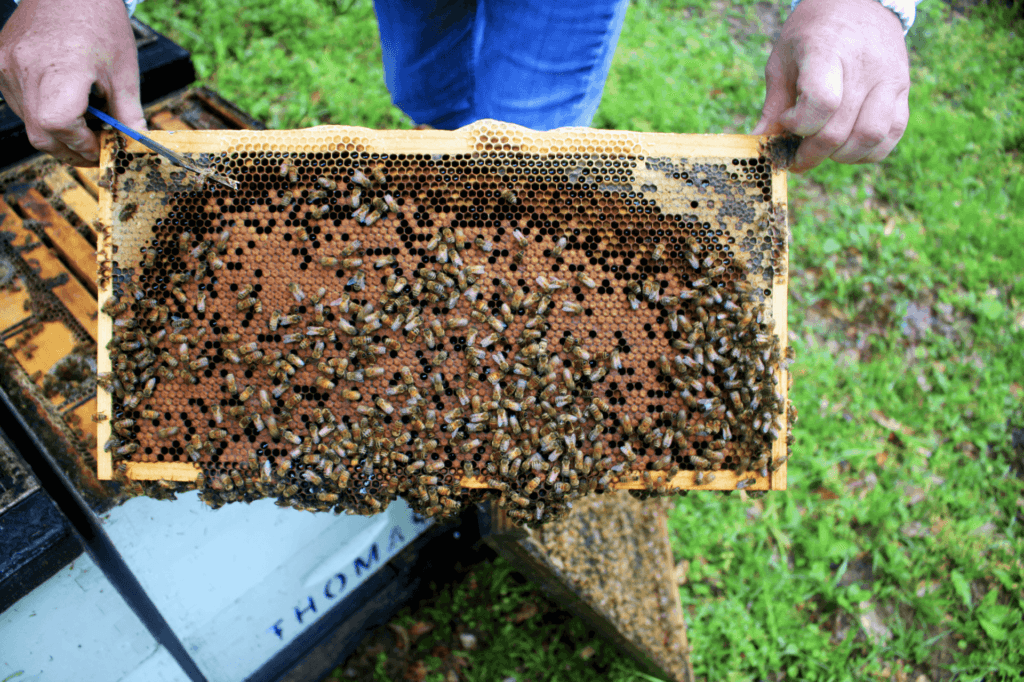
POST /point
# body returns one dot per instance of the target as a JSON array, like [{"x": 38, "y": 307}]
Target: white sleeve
[{"x": 906, "y": 10}]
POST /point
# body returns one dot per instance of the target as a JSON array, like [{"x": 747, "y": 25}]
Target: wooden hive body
[{"x": 540, "y": 314}]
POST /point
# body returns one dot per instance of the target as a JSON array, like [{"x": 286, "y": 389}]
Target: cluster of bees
[{"x": 348, "y": 329}]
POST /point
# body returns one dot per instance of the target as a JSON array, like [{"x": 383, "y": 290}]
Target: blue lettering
[
  {"x": 374, "y": 555},
  {"x": 396, "y": 539},
  {"x": 276, "y": 628},
  {"x": 299, "y": 612},
  {"x": 341, "y": 586}
]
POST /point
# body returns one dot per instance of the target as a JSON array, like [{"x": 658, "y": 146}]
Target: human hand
[
  {"x": 839, "y": 77},
  {"x": 51, "y": 53}
]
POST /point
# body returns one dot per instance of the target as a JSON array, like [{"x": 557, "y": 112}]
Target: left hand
[{"x": 839, "y": 77}]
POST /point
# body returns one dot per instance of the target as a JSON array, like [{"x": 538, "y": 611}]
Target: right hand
[{"x": 51, "y": 54}]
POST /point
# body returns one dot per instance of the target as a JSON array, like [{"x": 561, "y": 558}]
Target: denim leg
[
  {"x": 428, "y": 54},
  {"x": 543, "y": 63}
]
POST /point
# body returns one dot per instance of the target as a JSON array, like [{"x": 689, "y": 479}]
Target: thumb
[
  {"x": 777, "y": 99},
  {"x": 126, "y": 107}
]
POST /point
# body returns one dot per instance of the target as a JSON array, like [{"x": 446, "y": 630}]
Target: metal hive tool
[{"x": 444, "y": 316}]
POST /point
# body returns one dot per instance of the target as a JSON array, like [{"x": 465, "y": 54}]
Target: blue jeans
[{"x": 537, "y": 63}]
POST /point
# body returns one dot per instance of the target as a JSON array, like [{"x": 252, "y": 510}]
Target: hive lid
[{"x": 625, "y": 292}]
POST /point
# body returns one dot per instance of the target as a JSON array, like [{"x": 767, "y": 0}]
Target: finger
[
  {"x": 58, "y": 125},
  {"x": 125, "y": 101},
  {"x": 901, "y": 116},
  {"x": 819, "y": 92},
  {"x": 823, "y": 144},
  {"x": 871, "y": 128},
  {"x": 778, "y": 97}
]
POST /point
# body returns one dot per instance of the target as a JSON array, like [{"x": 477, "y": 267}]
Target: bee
[
  {"x": 327, "y": 183},
  {"x": 377, "y": 172},
  {"x": 355, "y": 198},
  {"x": 371, "y": 218},
  {"x": 360, "y": 179},
  {"x": 585, "y": 280},
  {"x": 357, "y": 281},
  {"x": 351, "y": 394},
  {"x": 509, "y": 196},
  {"x": 558, "y": 248},
  {"x": 439, "y": 358},
  {"x": 296, "y": 292},
  {"x": 532, "y": 485},
  {"x": 168, "y": 432},
  {"x": 324, "y": 384},
  {"x": 351, "y": 263},
  {"x": 572, "y": 307},
  {"x": 180, "y": 295}
]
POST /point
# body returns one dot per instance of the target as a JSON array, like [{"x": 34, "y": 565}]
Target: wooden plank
[
  {"x": 44, "y": 349},
  {"x": 622, "y": 524},
  {"x": 676, "y": 607},
  {"x": 76, "y": 251},
  {"x": 780, "y": 313},
  {"x": 167, "y": 471},
  {"x": 75, "y": 196},
  {"x": 436, "y": 141},
  {"x": 89, "y": 177},
  {"x": 12, "y": 307},
  {"x": 75, "y": 297},
  {"x": 221, "y": 111},
  {"x": 85, "y": 413},
  {"x": 104, "y": 401},
  {"x": 165, "y": 120}
]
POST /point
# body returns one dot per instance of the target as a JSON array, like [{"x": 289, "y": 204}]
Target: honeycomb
[{"x": 445, "y": 316}]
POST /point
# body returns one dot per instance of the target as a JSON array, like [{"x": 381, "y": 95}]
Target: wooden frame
[{"x": 477, "y": 138}]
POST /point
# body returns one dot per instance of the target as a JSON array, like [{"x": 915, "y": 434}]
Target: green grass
[
  {"x": 907, "y": 306},
  {"x": 517, "y": 631}
]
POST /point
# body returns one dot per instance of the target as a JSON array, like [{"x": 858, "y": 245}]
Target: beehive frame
[{"x": 496, "y": 199}]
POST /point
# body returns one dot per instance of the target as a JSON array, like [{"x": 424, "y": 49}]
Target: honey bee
[
  {"x": 509, "y": 196},
  {"x": 351, "y": 394},
  {"x": 324, "y": 384},
  {"x": 371, "y": 218},
  {"x": 167, "y": 432},
  {"x": 572, "y": 308}
]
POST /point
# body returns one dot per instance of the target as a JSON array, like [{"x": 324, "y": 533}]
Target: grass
[{"x": 897, "y": 549}]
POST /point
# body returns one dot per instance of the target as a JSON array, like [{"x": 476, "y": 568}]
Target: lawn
[{"x": 896, "y": 552}]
